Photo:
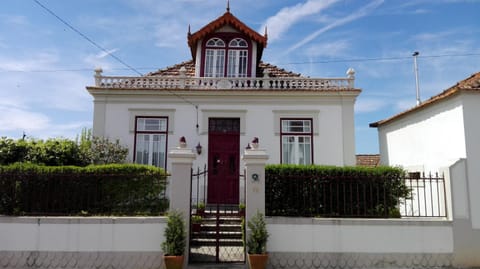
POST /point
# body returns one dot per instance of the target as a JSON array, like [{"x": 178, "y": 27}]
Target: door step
[{"x": 219, "y": 239}]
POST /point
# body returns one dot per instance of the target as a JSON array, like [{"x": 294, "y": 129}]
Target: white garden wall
[
  {"x": 76, "y": 242},
  {"x": 135, "y": 242},
  {"x": 359, "y": 235},
  {"x": 81, "y": 234},
  {"x": 359, "y": 243}
]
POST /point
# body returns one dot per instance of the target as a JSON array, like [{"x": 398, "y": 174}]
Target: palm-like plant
[
  {"x": 175, "y": 236},
  {"x": 257, "y": 239}
]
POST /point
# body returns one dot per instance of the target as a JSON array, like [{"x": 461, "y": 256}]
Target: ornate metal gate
[{"x": 216, "y": 229}]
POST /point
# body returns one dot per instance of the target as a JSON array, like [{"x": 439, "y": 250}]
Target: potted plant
[
  {"x": 175, "y": 241},
  {"x": 241, "y": 209},
  {"x": 196, "y": 223},
  {"x": 201, "y": 209},
  {"x": 257, "y": 242}
]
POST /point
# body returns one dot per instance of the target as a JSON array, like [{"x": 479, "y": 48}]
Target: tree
[{"x": 85, "y": 150}]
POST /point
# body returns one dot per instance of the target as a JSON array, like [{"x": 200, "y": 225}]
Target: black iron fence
[
  {"x": 351, "y": 197},
  {"x": 427, "y": 196},
  {"x": 198, "y": 190}
]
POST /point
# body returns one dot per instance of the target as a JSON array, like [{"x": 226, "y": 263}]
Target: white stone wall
[
  {"x": 293, "y": 243},
  {"x": 81, "y": 234},
  {"x": 359, "y": 236},
  {"x": 472, "y": 135},
  {"x": 81, "y": 243}
]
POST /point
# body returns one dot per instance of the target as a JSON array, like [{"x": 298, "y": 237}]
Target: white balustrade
[{"x": 193, "y": 83}]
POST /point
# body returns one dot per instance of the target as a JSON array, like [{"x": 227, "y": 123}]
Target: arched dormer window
[
  {"x": 215, "y": 58},
  {"x": 215, "y": 42},
  {"x": 216, "y": 63},
  {"x": 237, "y": 58}
]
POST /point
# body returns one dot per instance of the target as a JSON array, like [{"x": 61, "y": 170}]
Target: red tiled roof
[
  {"x": 368, "y": 160},
  {"x": 174, "y": 70},
  {"x": 471, "y": 84},
  {"x": 226, "y": 19}
]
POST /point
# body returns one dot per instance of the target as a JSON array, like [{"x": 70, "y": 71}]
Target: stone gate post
[
  {"x": 182, "y": 159},
  {"x": 254, "y": 160}
]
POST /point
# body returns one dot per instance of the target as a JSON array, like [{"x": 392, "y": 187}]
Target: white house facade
[{"x": 223, "y": 98}]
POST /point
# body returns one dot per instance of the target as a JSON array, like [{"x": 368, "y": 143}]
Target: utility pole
[{"x": 415, "y": 54}]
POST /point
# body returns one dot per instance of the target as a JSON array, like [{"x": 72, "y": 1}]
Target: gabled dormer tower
[{"x": 226, "y": 47}]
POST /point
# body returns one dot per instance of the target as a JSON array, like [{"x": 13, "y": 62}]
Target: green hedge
[
  {"x": 114, "y": 189},
  {"x": 325, "y": 191}
]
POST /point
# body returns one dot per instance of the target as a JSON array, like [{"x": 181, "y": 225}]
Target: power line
[
  {"x": 86, "y": 37},
  {"x": 378, "y": 59},
  {"x": 103, "y": 49}
]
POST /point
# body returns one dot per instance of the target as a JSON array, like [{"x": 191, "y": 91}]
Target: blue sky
[{"x": 45, "y": 66}]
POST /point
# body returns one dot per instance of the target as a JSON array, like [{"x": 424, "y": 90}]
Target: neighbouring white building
[
  {"x": 220, "y": 100},
  {"x": 435, "y": 133},
  {"x": 442, "y": 135}
]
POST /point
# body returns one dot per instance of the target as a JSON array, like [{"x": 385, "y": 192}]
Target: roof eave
[{"x": 434, "y": 100}]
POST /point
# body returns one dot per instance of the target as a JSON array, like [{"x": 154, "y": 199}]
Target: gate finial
[{"x": 182, "y": 142}]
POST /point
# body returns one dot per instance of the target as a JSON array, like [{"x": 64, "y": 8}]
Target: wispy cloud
[
  {"x": 332, "y": 49},
  {"x": 15, "y": 121},
  {"x": 13, "y": 118},
  {"x": 364, "y": 11},
  {"x": 286, "y": 17},
  {"x": 367, "y": 105},
  {"x": 39, "y": 61},
  {"x": 104, "y": 54},
  {"x": 17, "y": 20}
]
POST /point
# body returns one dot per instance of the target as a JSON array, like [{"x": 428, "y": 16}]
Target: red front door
[{"x": 223, "y": 160}]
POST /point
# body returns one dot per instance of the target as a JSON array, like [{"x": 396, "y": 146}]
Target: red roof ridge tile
[{"x": 225, "y": 19}]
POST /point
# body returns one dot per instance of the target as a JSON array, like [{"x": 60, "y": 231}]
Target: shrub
[
  {"x": 100, "y": 150},
  {"x": 114, "y": 189},
  {"x": 84, "y": 151},
  {"x": 258, "y": 236},
  {"x": 175, "y": 236},
  {"x": 295, "y": 190},
  {"x": 12, "y": 151}
]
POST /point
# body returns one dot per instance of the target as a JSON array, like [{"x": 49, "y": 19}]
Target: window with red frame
[
  {"x": 296, "y": 141},
  {"x": 226, "y": 59},
  {"x": 151, "y": 141}
]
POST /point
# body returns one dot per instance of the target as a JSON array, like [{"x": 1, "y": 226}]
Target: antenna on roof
[
  {"x": 228, "y": 5},
  {"x": 415, "y": 54}
]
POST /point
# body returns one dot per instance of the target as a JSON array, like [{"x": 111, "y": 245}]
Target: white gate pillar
[
  {"x": 180, "y": 181},
  {"x": 255, "y": 160},
  {"x": 181, "y": 159}
]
